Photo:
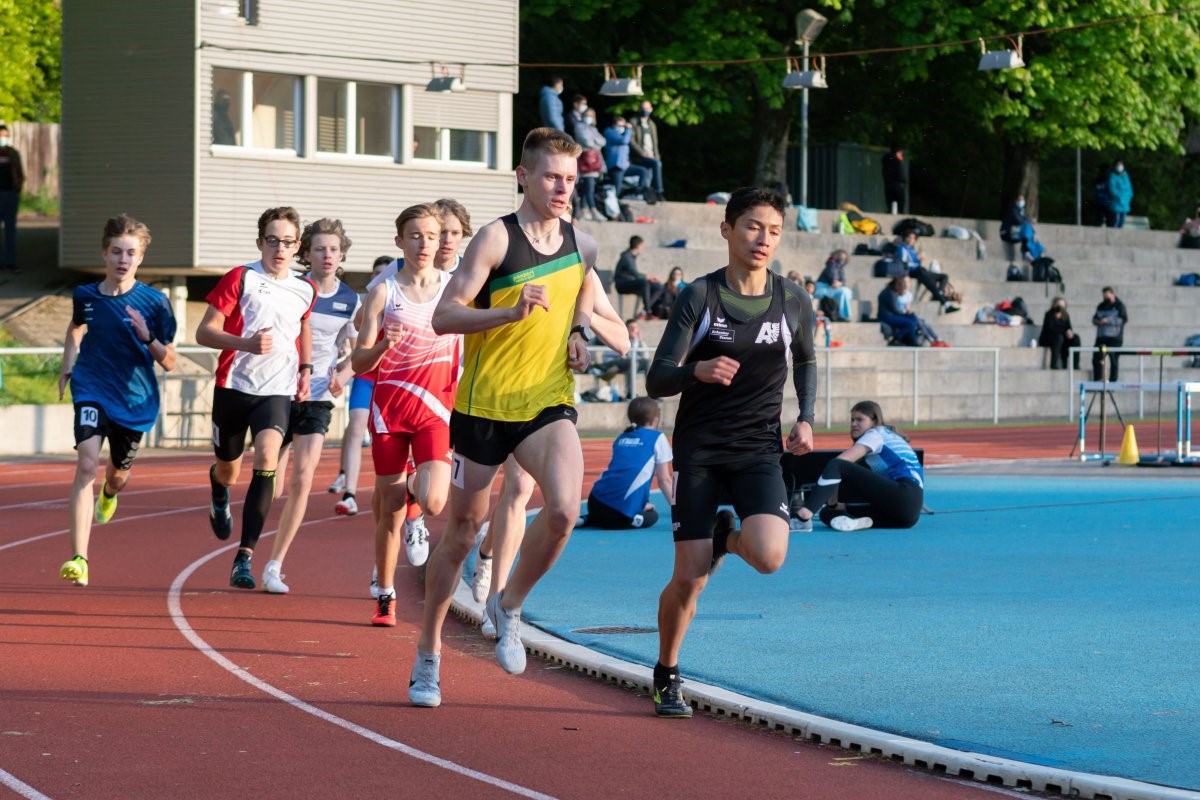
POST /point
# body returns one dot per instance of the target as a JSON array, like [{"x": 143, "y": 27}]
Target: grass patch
[
  {"x": 28, "y": 380},
  {"x": 43, "y": 204}
]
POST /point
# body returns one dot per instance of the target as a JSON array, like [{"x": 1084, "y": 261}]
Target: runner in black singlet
[{"x": 725, "y": 349}]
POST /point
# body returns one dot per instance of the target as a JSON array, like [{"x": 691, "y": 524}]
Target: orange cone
[{"x": 1129, "y": 448}]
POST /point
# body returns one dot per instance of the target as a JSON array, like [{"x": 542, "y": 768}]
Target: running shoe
[
  {"x": 220, "y": 519},
  {"x": 481, "y": 578},
  {"x": 510, "y": 651},
  {"x": 346, "y": 507},
  {"x": 241, "y": 577},
  {"x": 339, "y": 484},
  {"x": 416, "y": 541},
  {"x": 385, "y": 614},
  {"x": 105, "y": 506},
  {"x": 848, "y": 524},
  {"x": 669, "y": 702},
  {"x": 722, "y": 527},
  {"x": 272, "y": 579},
  {"x": 75, "y": 570},
  {"x": 423, "y": 688},
  {"x": 487, "y": 629},
  {"x": 798, "y": 525}
]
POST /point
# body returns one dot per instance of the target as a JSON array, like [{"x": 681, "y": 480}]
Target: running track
[{"x": 159, "y": 680}]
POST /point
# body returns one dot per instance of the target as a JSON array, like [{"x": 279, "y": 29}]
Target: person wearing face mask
[
  {"x": 1058, "y": 335},
  {"x": 550, "y": 105},
  {"x": 591, "y": 165},
  {"x": 12, "y": 180},
  {"x": 1120, "y": 193},
  {"x": 579, "y": 105},
  {"x": 832, "y": 283},
  {"x": 643, "y": 146},
  {"x": 616, "y": 155}
]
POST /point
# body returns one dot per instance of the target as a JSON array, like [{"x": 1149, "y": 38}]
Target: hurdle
[{"x": 1183, "y": 453}]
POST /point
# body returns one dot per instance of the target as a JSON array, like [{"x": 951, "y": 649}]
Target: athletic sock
[
  {"x": 104, "y": 490},
  {"x": 662, "y": 675},
  {"x": 220, "y": 492},
  {"x": 258, "y": 505},
  {"x": 414, "y": 508},
  {"x": 348, "y": 496}
]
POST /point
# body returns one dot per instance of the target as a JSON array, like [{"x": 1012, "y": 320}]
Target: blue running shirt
[
  {"x": 114, "y": 369},
  {"x": 891, "y": 455},
  {"x": 625, "y": 485}
]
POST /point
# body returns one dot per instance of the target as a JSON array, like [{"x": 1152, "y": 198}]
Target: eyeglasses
[{"x": 275, "y": 241}]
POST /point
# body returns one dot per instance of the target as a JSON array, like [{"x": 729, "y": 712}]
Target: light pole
[{"x": 808, "y": 27}]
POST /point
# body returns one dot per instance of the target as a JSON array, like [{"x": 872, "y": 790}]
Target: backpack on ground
[
  {"x": 1016, "y": 273},
  {"x": 806, "y": 220},
  {"x": 912, "y": 224},
  {"x": 864, "y": 249},
  {"x": 612, "y": 208},
  {"x": 1044, "y": 271},
  {"x": 865, "y": 225},
  {"x": 889, "y": 268}
]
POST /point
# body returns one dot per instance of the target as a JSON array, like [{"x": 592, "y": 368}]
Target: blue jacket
[
  {"x": 1120, "y": 191},
  {"x": 550, "y": 106},
  {"x": 616, "y": 149}
]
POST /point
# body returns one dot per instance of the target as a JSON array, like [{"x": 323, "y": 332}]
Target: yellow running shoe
[
  {"x": 75, "y": 570},
  {"x": 105, "y": 506}
]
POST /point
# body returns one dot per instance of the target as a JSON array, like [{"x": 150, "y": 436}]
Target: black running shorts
[
  {"x": 309, "y": 417},
  {"x": 489, "y": 442},
  {"x": 751, "y": 487},
  {"x": 123, "y": 443},
  {"x": 235, "y": 412}
]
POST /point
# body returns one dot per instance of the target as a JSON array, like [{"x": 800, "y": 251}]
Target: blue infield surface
[{"x": 1051, "y": 621}]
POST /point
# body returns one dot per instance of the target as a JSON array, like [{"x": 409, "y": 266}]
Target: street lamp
[{"x": 809, "y": 25}]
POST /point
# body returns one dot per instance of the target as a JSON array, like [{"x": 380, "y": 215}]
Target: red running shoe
[{"x": 385, "y": 616}]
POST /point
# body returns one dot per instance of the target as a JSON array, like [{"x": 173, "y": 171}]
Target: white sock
[
  {"x": 381, "y": 591},
  {"x": 273, "y": 566}
]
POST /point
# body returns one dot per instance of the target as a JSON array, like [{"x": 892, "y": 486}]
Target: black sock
[
  {"x": 258, "y": 505},
  {"x": 104, "y": 491},
  {"x": 348, "y": 496},
  {"x": 220, "y": 493},
  {"x": 663, "y": 675}
]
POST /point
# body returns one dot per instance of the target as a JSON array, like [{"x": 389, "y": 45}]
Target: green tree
[
  {"x": 639, "y": 31},
  {"x": 30, "y": 60},
  {"x": 1131, "y": 84}
]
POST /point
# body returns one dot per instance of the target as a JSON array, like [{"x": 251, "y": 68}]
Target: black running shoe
[
  {"x": 221, "y": 520},
  {"x": 241, "y": 577},
  {"x": 722, "y": 527},
  {"x": 669, "y": 702}
]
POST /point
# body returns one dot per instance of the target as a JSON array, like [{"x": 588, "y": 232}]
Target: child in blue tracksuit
[{"x": 620, "y": 498}]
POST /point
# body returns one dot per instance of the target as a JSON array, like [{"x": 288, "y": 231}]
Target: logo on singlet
[
  {"x": 720, "y": 331},
  {"x": 768, "y": 333}
]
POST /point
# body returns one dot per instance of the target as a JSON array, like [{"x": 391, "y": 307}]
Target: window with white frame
[
  {"x": 455, "y": 145},
  {"x": 371, "y": 106},
  {"x": 260, "y": 110}
]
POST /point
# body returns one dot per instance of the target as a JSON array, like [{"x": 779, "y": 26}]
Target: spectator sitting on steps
[
  {"x": 628, "y": 280},
  {"x": 1058, "y": 335},
  {"x": 832, "y": 284},
  {"x": 938, "y": 283},
  {"x": 895, "y": 312}
]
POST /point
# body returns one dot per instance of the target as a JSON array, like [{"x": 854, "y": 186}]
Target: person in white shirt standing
[{"x": 258, "y": 318}]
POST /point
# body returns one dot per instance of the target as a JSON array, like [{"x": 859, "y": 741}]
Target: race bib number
[
  {"x": 89, "y": 417},
  {"x": 457, "y": 468}
]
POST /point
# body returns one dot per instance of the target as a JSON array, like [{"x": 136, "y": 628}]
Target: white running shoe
[
  {"x": 423, "y": 688},
  {"x": 510, "y": 651},
  {"x": 339, "y": 484},
  {"x": 487, "y": 628},
  {"x": 272, "y": 579},
  {"x": 346, "y": 507},
  {"x": 481, "y": 578},
  {"x": 847, "y": 524},
  {"x": 416, "y": 541}
]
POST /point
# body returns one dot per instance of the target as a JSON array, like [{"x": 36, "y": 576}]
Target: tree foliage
[{"x": 30, "y": 60}]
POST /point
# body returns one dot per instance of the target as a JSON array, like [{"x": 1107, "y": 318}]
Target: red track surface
[{"x": 101, "y": 695}]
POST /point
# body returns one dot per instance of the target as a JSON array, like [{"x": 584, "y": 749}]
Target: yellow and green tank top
[{"x": 513, "y": 372}]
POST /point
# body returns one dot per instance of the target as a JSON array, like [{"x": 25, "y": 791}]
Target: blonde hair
[
  {"x": 419, "y": 211},
  {"x": 448, "y": 205},
  {"x": 124, "y": 225},
  {"x": 547, "y": 141},
  {"x": 322, "y": 226}
]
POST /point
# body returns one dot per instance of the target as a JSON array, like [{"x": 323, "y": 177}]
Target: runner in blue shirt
[
  {"x": 890, "y": 478},
  {"x": 620, "y": 497},
  {"x": 119, "y": 329}
]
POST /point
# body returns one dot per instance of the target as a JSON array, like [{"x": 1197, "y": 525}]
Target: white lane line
[
  {"x": 59, "y": 500},
  {"x": 61, "y": 531},
  {"x": 177, "y": 616},
  {"x": 20, "y": 787}
]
